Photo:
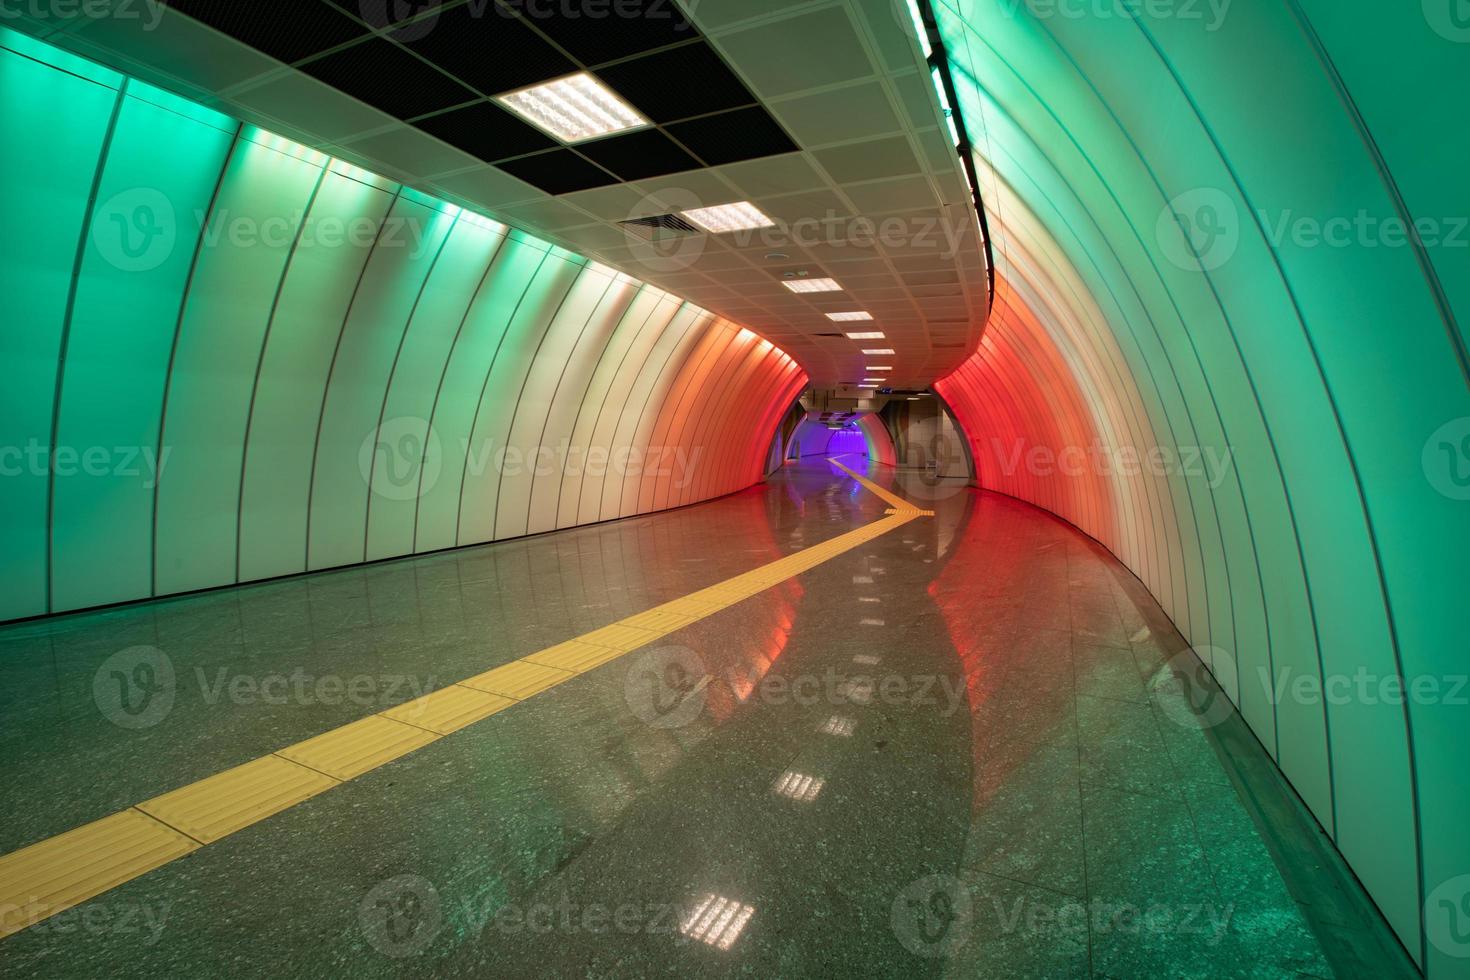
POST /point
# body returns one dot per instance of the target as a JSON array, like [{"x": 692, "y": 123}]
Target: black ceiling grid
[{"x": 437, "y": 66}]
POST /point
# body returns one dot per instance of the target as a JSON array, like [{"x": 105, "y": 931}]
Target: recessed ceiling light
[
  {"x": 740, "y": 216},
  {"x": 811, "y": 285},
  {"x": 875, "y": 379},
  {"x": 854, "y": 315},
  {"x": 879, "y": 350},
  {"x": 575, "y": 108},
  {"x": 878, "y": 367},
  {"x": 867, "y": 386},
  {"x": 871, "y": 335}
]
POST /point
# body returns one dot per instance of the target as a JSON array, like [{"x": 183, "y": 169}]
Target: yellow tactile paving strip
[
  {"x": 900, "y": 506},
  {"x": 62, "y": 871},
  {"x": 65, "y": 870},
  {"x": 219, "y": 805}
]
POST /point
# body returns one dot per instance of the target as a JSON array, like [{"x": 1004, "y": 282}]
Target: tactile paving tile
[
  {"x": 619, "y": 636},
  {"x": 575, "y": 656},
  {"x": 662, "y": 620},
  {"x": 221, "y": 804},
  {"x": 518, "y": 680},
  {"x": 359, "y": 747},
  {"x": 65, "y": 870},
  {"x": 450, "y": 709}
]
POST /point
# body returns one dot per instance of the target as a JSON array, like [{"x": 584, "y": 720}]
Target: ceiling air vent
[
  {"x": 659, "y": 226},
  {"x": 828, "y": 335}
]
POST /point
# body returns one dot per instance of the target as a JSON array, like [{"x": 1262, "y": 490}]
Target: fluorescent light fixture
[
  {"x": 811, "y": 285},
  {"x": 854, "y": 315},
  {"x": 879, "y": 350},
  {"x": 919, "y": 29},
  {"x": 574, "y": 108},
  {"x": 878, "y": 367},
  {"x": 875, "y": 379},
  {"x": 717, "y": 921},
  {"x": 740, "y": 216},
  {"x": 867, "y": 386},
  {"x": 870, "y": 335}
]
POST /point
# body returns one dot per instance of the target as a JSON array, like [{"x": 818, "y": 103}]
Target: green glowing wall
[
  {"x": 1198, "y": 217},
  {"x": 245, "y": 359}
]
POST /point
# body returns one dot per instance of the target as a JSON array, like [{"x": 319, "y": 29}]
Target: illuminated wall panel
[
  {"x": 331, "y": 368},
  {"x": 1216, "y": 349}
]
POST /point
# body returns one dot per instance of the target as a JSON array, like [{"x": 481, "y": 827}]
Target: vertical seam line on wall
[
  {"x": 444, "y": 373},
  {"x": 582, "y": 405},
  {"x": 551, "y": 404},
  {"x": 484, "y": 386},
  {"x": 71, "y": 302},
  {"x": 525, "y": 380},
  {"x": 1380, "y": 164},
  {"x": 367, "y": 515},
  {"x": 623, "y": 493},
  {"x": 1266, "y": 425},
  {"x": 678, "y": 310},
  {"x": 260, "y": 360},
  {"x": 321, "y": 414},
  {"x": 173, "y": 352}
]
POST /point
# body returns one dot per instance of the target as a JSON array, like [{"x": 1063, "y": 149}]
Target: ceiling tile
[
  {"x": 311, "y": 27},
  {"x": 799, "y": 52},
  {"x": 634, "y": 156},
  {"x": 488, "y": 185},
  {"x": 686, "y": 81},
  {"x": 773, "y": 175},
  {"x": 557, "y": 172},
  {"x": 888, "y": 157},
  {"x": 489, "y": 49},
  {"x": 594, "y": 33},
  {"x": 311, "y": 105},
  {"x": 487, "y": 131},
  {"x": 731, "y": 136},
  {"x": 412, "y": 151},
  {"x": 855, "y": 112},
  {"x": 903, "y": 194},
  {"x": 389, "y": 78}
]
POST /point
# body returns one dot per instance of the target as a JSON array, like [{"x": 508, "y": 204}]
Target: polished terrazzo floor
[{"x": 963, "y": 749}]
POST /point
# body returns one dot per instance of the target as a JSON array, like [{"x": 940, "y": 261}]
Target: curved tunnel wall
[
  {"x": 249, "y": 360},
  {"x": 1216, "y": 350}
]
